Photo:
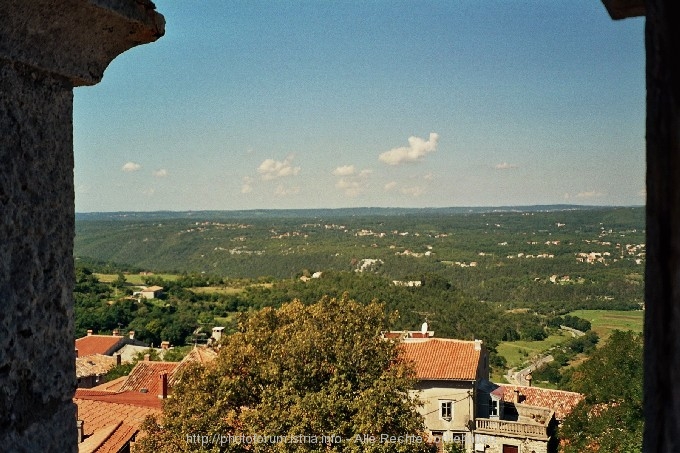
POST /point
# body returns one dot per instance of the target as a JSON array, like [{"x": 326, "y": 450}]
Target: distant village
[{"x": 460, "y": 403}]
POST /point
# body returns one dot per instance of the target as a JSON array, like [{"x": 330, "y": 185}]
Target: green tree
[
  {"x": 610, "y": 417},
  {"x": 300, "y": 370}
]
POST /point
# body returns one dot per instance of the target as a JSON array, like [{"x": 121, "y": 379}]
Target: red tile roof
[
  {"x": 146, "y": 375},
  {"x": 128, "y": 398},
  {"x": 120, "y": 437},
  {"x": 111, "y": 420},
  {"x": 443, "y": 359},
  {"x": 560, "y": 401},
  {"x": 98, "y": 344},
  {"x": 200, "y": 355},
  {"x": 111, "y": 386}
]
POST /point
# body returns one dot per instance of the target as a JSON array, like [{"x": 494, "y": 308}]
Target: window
[
  {"x": 493, "y": 407},
  {"x": 446, "y": 410}
]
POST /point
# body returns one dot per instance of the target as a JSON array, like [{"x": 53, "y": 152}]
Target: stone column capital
[{"x": 75, "y": 39}]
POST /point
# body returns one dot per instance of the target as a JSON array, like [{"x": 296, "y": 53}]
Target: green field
[
  {"x": 134, "y": 279},
  {"x": 605, "y": 321},
  {"x": 518, "y": 352}
]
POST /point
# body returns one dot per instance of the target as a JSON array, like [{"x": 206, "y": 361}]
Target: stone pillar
[
  {"x": 46, "y": 48},
  {"x": 662, "y": 274}
]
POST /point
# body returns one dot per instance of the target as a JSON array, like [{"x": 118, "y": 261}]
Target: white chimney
[
  {"x": 132, "y": 334},
  {"x": 478, "y": 345},
  {"x": 424, "y": 328},
  {"x": 89, "y": 332},
  {"x": 80, "y": 424}
]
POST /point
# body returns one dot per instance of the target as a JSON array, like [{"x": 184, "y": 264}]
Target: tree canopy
[
  {"x": 610, "y": 418},
  {"x": 313, "y": 377}
]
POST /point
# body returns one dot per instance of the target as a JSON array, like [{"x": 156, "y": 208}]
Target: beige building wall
[
  {"x": 461, "y": 396},
  {"x": 494, "y": 444}
]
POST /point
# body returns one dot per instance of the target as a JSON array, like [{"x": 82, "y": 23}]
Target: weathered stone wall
[
  {"x": 46, "y": 48},
  {"x": 37, "y": 365}
]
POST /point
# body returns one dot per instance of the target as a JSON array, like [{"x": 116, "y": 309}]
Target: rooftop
[
  {"x": 560, "y": 401},
  {"x": 111, "y": 420},
  {"x": 98, "y": 344},
  {"x": 443, "y": 359},
  {"x": 146, "y": 375},
  {"x": 94, "y": 365}
]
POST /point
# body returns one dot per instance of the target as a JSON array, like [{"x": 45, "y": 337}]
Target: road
[{"x": 519, "y": 377}]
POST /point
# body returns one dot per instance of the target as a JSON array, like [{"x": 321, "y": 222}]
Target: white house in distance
[
  {"x": 151, "y": 292},
  {"x": 461, "y": 405}
]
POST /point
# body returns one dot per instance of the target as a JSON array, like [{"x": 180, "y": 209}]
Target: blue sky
[{"x": 282, "y": 104}]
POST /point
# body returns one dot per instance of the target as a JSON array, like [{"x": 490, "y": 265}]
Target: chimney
[
  {"x": 116, "y": 332},
  {"x": 516, "y": 397},
  {"x": 478, "y": 345},
  {"x": 118, "y": 359},
  {"x": 165, "y": 345},
  {"x": 132, "y": 334},
  {"x": 76, "y": 353},
  {"x": 164, "y": 385},
  {"x": 147, "y": 357},
  {"x": 80, "y": 424},
  {"x": 89, "y": 332},
  {"x": 529, "y": 378}
]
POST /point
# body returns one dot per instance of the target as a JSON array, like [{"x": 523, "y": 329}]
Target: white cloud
[
  {"x": 131, "y": 166},
  {"x": 506, "y": 166},
  {"x": 247, "y": 185},
  {"x": 416, "y": 150},
  {"x": 351, "y": 187},
  {"x": 351, "y": 182},
  {"x": 589, "y": 194},
  {"x": 415, "y": 191},
  {"x": 282, "y": 191},
  {"x": 428, "y": 177},
  {"x": 272, "y": 169},
  {"x": 162, "y": 173},
  {"x": 345, "y": 170},
  {"x": 584, "y": 195},
  {"x": 390, "y": 185}
]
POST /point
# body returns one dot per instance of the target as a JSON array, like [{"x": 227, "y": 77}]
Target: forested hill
[
  {"x": 594, "y": 255},
  {"x": 319, "y": 213}
]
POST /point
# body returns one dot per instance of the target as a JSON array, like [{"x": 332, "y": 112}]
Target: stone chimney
[
  {"x": 116, "y": 332},
  {"x": 89, "y": 332},
  {"x": 80, "y": 424},
  {"x": 165, "y": 345},
  {"x": 515, "y": 398},
  {"x": 164, "y": 385},
  {"x": 147, "y": 357},
  {"x": 131, "y": 334},
  {"x": 478, "y": 345}
]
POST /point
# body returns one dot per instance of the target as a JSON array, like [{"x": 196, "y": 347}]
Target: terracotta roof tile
[
  {"x": 443, "y": 359},
  {"x": 198, "y": 354},
  {"x": 111, "y": 386},
  {"x": 98, "y": 344},
  {"x": 97, "y": 438},
  {"x": 112, "y": 419},
  {"x": 130, "y": 398},
  {"x": 117, "y": 439},
  {"x": 146, "y": 375},
  {"x": 560, "y": 401}
]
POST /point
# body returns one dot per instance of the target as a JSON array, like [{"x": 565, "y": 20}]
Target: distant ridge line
[{"x": 331, "y": 212}]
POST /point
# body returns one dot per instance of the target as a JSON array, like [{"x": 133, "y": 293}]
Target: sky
[{"x": 387, "y": 103}]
